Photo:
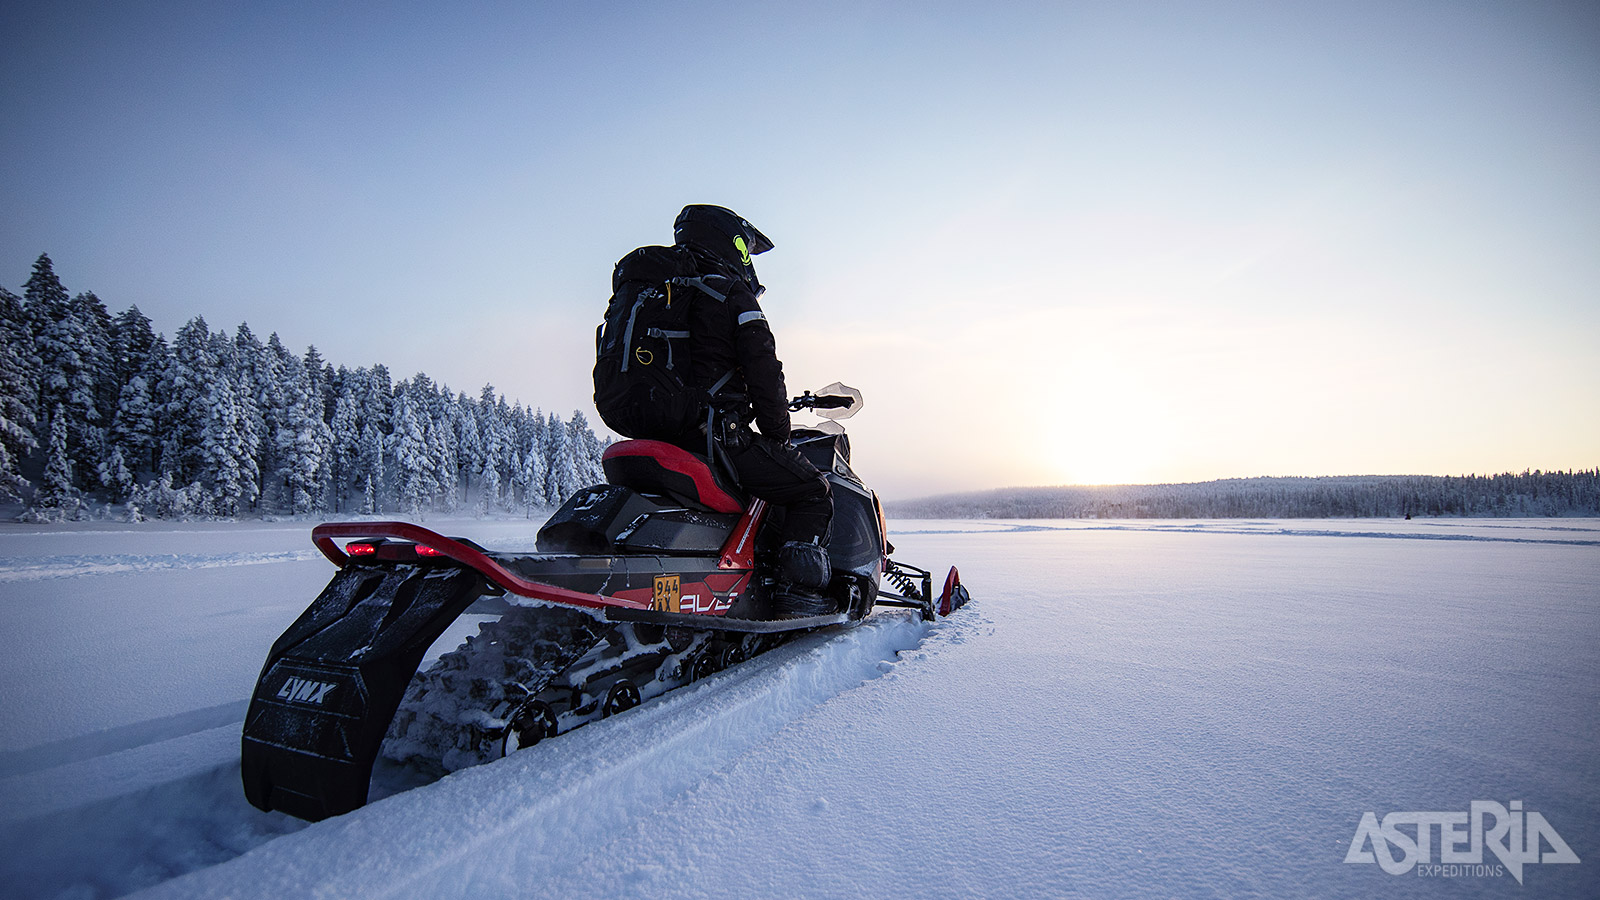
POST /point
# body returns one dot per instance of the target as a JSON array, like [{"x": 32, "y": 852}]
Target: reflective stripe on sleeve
[{"x": 754, "y": 315}]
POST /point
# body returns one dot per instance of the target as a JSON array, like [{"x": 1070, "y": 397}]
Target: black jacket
[
  {"x": 726, "y": 335},
  {"x": 733, "y": 335}
]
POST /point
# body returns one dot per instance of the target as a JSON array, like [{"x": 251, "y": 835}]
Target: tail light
[
  {"x": 361, "y": 548},
  {"x": 424, "y": 550}
]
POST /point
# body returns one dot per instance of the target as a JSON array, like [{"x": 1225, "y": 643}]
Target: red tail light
[
  {"x": 423, "y": 550},
  {"x": 361, "y": 548}
]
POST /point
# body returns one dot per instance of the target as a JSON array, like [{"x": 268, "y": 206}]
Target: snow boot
[
  {"x": 803, "y": 575},
  {"x": 805, "y": 564}
]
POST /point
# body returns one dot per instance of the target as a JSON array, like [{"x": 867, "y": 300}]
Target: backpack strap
[
  {"x": 627, "y": 334},
  {"x": 721, "y": 383},
  {"x": 669, "y": 336},
  {"x": 699, "y": 281}
]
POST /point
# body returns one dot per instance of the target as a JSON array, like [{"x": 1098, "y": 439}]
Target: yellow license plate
[{"x": 668, "y": 590}]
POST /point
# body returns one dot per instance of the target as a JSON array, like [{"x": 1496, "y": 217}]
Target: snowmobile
[{"x": 660, "y": 576}]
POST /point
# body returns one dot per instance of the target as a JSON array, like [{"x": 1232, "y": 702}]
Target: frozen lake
[{"x": 1152, "y": 708}]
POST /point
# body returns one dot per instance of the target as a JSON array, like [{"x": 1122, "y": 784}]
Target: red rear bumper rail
[{"x": 323, "y": 536}]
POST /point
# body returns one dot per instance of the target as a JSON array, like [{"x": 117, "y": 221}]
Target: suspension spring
[{"x": 906, "y": 584}]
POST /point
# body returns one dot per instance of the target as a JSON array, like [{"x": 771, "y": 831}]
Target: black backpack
[{"x": 642, "y": 358}]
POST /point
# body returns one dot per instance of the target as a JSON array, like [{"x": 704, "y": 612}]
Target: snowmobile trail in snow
[
  {"x": 184, "y": 829},
  {"x": 41, "y": 568},
  {"x": 114, "y": 740}
]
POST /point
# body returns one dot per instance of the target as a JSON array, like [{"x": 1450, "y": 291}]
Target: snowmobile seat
[{"x": 657, "y": 467}]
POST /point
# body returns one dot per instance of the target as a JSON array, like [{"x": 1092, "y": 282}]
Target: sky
[{"x": 1052, "y": 243}]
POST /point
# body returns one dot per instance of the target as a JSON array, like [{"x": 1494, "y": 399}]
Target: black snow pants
[{"x": 778, "y": 474}]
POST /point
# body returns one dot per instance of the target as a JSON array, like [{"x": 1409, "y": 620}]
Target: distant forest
[
  {"x": 1366, "y": 496},
  {"x": 100, "y": 415}
]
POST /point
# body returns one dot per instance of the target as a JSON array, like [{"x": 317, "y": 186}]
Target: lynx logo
[
  {"x": 1515, "y": 838},
  {"x": 299, "y": 690}
]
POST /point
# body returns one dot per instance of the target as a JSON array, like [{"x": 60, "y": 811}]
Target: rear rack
[{"x": 323, "y": 536}]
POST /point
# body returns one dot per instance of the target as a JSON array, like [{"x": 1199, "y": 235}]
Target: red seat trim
[{"x": 676, "y": 459}]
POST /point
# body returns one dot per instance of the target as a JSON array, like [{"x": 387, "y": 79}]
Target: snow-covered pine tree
[
  {"x": 57, "y": 497},
  {"x": 43, "y": 295},
  {"x": 251, "y": 371},
  {"x": 372, "y": 465},
  {"x": 308, "y": 478},
  {"x": 492, "y": 435},
  {"x": 510, "y": 454},
  {"x": 181, "y": 392},
  {"x": 302, "y": 440},
  {"x": 71, "y": 346},
  {"x": 24, "y": 354},
  {"x": 586, "y": 450},
  {"x": 345, "y": 430},
  {"x": 101, "y": 363},
  {"x": 414, "y": 467},
  {"x": 116, "y": 476},
  {"x": 516, "y": 425},
  {"x": 276, "y": 363},
  {"x": 17, "y": 394},
  {"x": 228, "y": 440},
  {"x": 469, "y": 442},
  {"x": 442, "y": 448},
  {"x": 561, "y": 476},
  {"x": 424, "y": 395},
  {"x": 147, "y": 413},
  {"x": 87, "y": 435},
  {"x": 534, "y": 436},
  {"x": 131, "y": 337},
  {"x": 531, "y": 477},
  {"x": 376, "y": 414},
  {"x": 320, "y": 375},
  {"x": 130, "y": 416},
  {"x": 488, "y": 489},
  {"x": 379, "y": 400}
]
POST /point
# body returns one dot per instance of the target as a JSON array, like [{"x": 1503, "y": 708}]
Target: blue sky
[{"x": 1051, "y": 242}]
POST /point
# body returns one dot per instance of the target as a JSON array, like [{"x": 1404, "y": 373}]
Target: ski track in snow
[
  {"x": 112, "y": 740},
  {"x": 39, "y": 568},
  {"x": 177, "y": 778},
  {"x": 73, "y": 566}
]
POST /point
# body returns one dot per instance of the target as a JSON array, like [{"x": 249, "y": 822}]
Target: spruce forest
[
  {"x": 1536, "y": 493},
  {"x": 101, "y": 415}
]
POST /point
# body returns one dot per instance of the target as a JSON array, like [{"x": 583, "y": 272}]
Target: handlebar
[{"x": 809, "y": 400}]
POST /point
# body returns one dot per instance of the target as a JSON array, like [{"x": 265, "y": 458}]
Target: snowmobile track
[{"x": 538, "y": 672}]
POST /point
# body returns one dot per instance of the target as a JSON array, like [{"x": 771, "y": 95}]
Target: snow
[{"x": 1137, "y": 708}]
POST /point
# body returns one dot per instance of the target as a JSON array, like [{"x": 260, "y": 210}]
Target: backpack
[{"x": 642, "y": 356}]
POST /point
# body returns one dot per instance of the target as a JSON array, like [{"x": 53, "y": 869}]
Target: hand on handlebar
[{"x": 809, "y": 400}]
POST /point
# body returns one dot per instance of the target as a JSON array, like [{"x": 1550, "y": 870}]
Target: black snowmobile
[{"x": 640, "y": 585}]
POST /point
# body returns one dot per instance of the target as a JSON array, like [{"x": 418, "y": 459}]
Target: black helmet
[{"x": 721, "y": 233}]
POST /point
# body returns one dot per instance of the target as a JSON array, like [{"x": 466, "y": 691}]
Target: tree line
[
  {"x": 1531, "y": 493},
  {"x": 101, "y": 408}
]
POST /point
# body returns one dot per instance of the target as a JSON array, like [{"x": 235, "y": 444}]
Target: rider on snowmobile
[{"x": 734, "y": 336}]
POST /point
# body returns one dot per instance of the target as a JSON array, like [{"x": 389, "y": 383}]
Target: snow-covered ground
[{"x": 1189, "y": 709}]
